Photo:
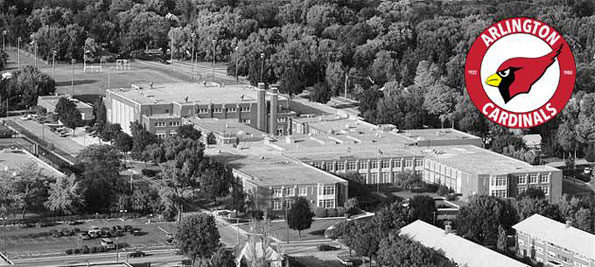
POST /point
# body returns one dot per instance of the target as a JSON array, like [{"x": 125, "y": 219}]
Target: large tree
[
  {"x": 100, "y": 177},
  {"x": 479, "y": 220},
  {"x": 299, "y": 216},
  {"x": 197, "y": 236},
  {"x": 401, "y": 251},
  {"x": 423, "y": 208},
  {"x": 65, "y": 196}
]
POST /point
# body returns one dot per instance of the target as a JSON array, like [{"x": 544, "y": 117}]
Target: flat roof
[
  {"x": 559, "y": 234},
  {"x": 472, "y": 159},
  {"x": 53, "y": 100},
  {"x": 436, "y": 134},
  {"x": 351, "y": 152},
  {"x": 197, "y": 93},
  {"x": 13, "y": 159},
  {"x": 270, "y": 168},
  {"x": 226, "y": 126},
  {"x": 456, "y": 248}
]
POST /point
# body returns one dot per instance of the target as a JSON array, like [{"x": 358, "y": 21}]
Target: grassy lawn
[
  {"x": 575, "y": 187},
  {"x": 19, "y": 243},
  {"x": 316, "y": 231}
]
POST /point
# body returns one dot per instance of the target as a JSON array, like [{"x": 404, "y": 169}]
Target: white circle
[{"x": 520, "y": 45}]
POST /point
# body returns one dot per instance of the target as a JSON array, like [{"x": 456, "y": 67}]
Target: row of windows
[
  {"x": 163, "y": 135},
  {"x": 543, "y": 178},
  {"x": 163, "y": 123},
  {"x": 290, "y": 191},
  {"x": 498, "y": 181},
  {"x": 353, "y": 165},
  {"x": 544, "y": 188},
  {"x": 278, "y": 205},
  {"x": 219, "y": 110}
]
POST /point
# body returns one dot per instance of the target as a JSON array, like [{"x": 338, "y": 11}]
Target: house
[
  {"x": 257, "y": 250},
  {"x": 553, "y": 243}
]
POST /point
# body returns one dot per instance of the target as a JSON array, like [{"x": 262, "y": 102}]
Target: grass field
[
  {"x": 316, "y": 231},
  {"x": 18, "y": 243}
]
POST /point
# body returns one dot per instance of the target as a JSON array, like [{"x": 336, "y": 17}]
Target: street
[{"x": 156, "y": 257}]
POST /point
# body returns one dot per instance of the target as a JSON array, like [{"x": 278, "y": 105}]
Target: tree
[
  {"x": 65, "y": 196},
  {"x": 123, "y": 141},
  {"x": 99, "y": 112},
  {"x": 299, "y": 216},
  {"x": 502, "y": 243},
  {"x": 197, "y": 236},
  {"x": 526, "y": 207},
  {"x": 26, "y": 85},
  {"x": 351, "y": 205},
  {"x": 320, "y": 93},
  {"x": 211, "y": 139},
  {"x": 29, "y": 186},
  {"x": 578, "y": 211},
  {"x": 141, "y": 138},
  {"x": 479, "y": 221},
  {"x": 3, "y": 59},
  {"x": 68, "y": 113},
  {"x": 367, "y": 239},
  {"x": 188, "y": 131},
  {"x": 423, "y": 208},
  {"x": 440, "y": 100},
  {"x": 533, "y": 193},
  {"x": 506, "y": 139},
  {"x": 394, "y": 250},
  {"x": 100, "y": 176},
  {"x": 223, "y": 257}
]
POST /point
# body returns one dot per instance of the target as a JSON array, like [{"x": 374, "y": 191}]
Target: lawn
[
  {"x": 279, "y": 230},
  {"x": 18, "y": 242}
]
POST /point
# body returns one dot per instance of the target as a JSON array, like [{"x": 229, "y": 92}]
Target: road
[{"x": 157, "y": 258}]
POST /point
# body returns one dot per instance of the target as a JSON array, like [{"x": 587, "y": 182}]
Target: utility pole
[
  {"x": 286, "y": 224},
  {"x": 54, "y": 64},
  {"x": 346, "y": 81},
  {"x": 237, "y": 59},
  {"x": 193, "y": 36},
  {"x": 3, "y": 40},
  {"x": 213, "y": 65}
]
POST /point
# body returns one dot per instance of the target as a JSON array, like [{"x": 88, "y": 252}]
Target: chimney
[
  {"x": 447, "y": 229},
  {"x": 261, "y": 108},
  {"x": 274, "y": 107}
]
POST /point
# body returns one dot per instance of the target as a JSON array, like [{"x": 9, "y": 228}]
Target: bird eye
[{"x": 504, "y": 73}]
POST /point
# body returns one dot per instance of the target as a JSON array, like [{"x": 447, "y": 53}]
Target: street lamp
[
  {"x": 262, "y": 67},
  {"x": 237, "y": 59},
  {"x": 54, "y": 64},
  {"x": 193, "y": 35},
  {"x": 19, "y": 53},
  {"x": 72, "y": 62},
  {"x": 214, "y": 42},
  {"x": 4, "y": 40}
]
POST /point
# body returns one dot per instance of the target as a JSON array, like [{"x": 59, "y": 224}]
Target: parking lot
[{"x": 21, "y": 242}]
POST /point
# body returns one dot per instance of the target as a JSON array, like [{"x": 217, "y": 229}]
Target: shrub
[
  {"x": 69, "y": 251},
  {"x": 332, "y": 213},
  {"x": 94, "y": 249},
  {"x": 101, "y": 249},
  {"x": 320, "y": 212},
  {"x": 85, "y": 250},
  {"x": 432, "y": 187},
  {"x": 341, "y": 211},
  {"x": 325, "y": 247},
  {"x": 442, "y": 190},
  {"x": 256, "y": 214},
  {"x": 77, "y": 251},
  {"x": 451, "y": 197}
]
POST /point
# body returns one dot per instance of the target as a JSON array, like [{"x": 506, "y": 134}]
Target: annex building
[{"x": 553, "y": 243}]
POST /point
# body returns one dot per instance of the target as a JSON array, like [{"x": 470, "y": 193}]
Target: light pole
[
  {"x": 19, "y": 53},
  {"x": 193, "y": 36},
  {"x": 123, "y": 229},
  {"x": 54, "y": 64},
  {"x": 262, "y": 67},
  {"x": 72, "y": 61},
  {"x": 4, "y": 40},
  {"x": 237, "y": 59},
  {"x": 214, "y": 42}
]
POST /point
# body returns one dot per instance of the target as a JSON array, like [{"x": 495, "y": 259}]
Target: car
[
  {"x": 136, "y": 232},
  {"x": 73, "y": 222},
  {"x": 66, "y": 232},
  {"x": 84, "y": 236},
  {"x": 108, "y": 243},
  {"x": 137, "y": 254},
  {"x": 127, "y": 228},
  {"x": 55, "y": 233}
]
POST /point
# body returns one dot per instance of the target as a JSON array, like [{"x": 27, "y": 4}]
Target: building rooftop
[
  {"x": 226, "y": 126},
  {"x": 559, "y": 234},
  {"x": 191, "y": 93},
  {"x": 351, "y": 152},
  {"x": 53, "y": 101},
  {"x": 436, "y": 134},
  {"x": 456, "y": 248},
  {"x": 13, "y": 159},
  {"x": 269, "y": 168},
  {"x": 475, "y": 160}
]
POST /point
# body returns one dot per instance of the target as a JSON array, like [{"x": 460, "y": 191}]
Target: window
[
  {"x": 244, "y": 109},
  {"x": 397, "y": 163},
  {"x": 498, "y": 193},
  {"x": 160, "y": 135},
  {"x": 418, "y": 162},
  {"x": 408, "y": 163},
  {"x": 173, "y": 133},
  {"x": 217, "y": 110},
  {"x": 279, "y": 131},
  {"x": 303, "y": 191},
  {"x": 317, "y": 165},
  {"x": 532, "y": 178},
  {"x": 351, "y": 165},
  {"x": 340, "y": 166},
  {"x": 521, "y": 179},
  {"x": 232, "y": 109},
  {"x": 373, "y": 164},
  {"x": 289, "y": 191},
  {"x": 329, "y": 190},
  {"x": 174, "y": 123},
  {"x": 385, "y": 177},
  {"x": 160, "y": 124},
  {"x": 277, "y": 205},
  {"x": 384, "y": 163},
  {"x": 374, "y": 179},
  {"x": 277, "y": 192},
  {"x": 288, "y": 203},
  {"x": 498, "y": 180},
  {"x": 326, "y": 203},
  {"x": 363, "y": 165},
  {"x": 545, "y": 189},
  {"x": 203, "y": 111},
  {"x": 544, "y": 178},
  {"x": 329, "y": 166},
  {"x": 520, "y": 190},
  {"x": 246, "y": 120},
  {"x": 281, "y": 119}
]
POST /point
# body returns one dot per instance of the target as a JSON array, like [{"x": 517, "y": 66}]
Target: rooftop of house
[
  {"x": 456, "y": 248},
  {"x": 13, "y": 159},
  {"x": 226, "y": 127},
  {"x": 188, "y": 93},
  {"x": 475, "y": 160},
  {"x": 52, "y": 100},
  {"x": 268, "y": 167},
  {"x": 559, "y": 234}
]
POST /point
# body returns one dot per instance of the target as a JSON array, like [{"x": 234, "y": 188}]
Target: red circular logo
[{"x": 520, "y": 72}]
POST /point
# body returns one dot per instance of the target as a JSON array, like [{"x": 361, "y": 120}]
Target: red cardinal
[{"x": 517, "y": 75}]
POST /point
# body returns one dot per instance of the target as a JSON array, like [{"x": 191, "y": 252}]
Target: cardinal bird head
[{"x": 517, "y": 75}]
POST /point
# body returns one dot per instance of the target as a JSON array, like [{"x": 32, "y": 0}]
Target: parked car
[
  {"x": 84, "y": 236},
  {"x": 55, "y": 233},
  {"x": 127, "y": 228},
  {"x": 136, "y": 232},
  {"x": 66, "y": 232},
  {"x": 108, "y": 243},
  {"x": 137, "y": 254}
]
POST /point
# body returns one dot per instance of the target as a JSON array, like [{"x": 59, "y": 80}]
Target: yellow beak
[{"x": 494, "y": 80}]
